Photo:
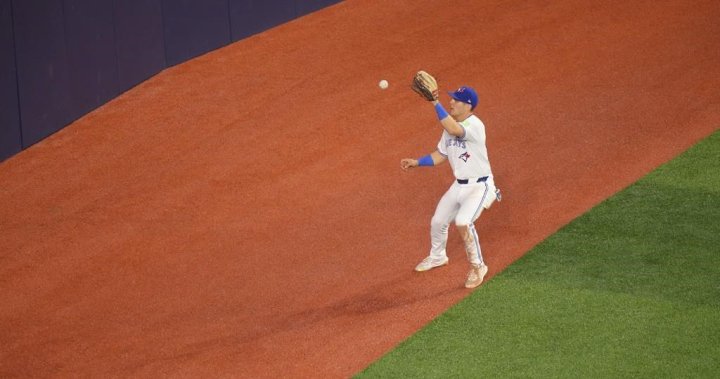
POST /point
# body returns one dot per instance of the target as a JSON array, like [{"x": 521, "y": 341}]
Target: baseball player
[{"x": 463, "y": 145}]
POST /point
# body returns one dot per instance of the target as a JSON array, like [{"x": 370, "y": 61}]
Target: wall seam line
[{"x": 17, "y": 74}]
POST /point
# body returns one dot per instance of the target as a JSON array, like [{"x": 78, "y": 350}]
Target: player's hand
[{"x": 408, "y": 163}]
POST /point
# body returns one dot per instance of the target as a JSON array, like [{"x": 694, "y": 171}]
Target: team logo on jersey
[{"x": 465, "y": 156}]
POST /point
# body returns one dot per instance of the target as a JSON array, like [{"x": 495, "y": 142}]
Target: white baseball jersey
[{"x": 467, "y": 155}]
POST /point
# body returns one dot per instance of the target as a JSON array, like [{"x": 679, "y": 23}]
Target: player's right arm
[{"x": 436, "y": 156}]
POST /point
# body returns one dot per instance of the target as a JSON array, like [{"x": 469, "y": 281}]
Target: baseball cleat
[
  {"x": 429, "y": 263},
  {"x": 476, "y": 275}
]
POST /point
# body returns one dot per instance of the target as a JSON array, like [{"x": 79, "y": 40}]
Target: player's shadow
[{"x": 401, "y": 291}]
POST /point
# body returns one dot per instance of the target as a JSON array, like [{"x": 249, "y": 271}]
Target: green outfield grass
[{"x": 630, "y": 289}]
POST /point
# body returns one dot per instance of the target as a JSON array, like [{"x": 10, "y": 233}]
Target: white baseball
[{"x": 383, "y": 84}]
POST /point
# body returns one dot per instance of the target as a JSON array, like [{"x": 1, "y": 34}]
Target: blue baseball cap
[{"x": 466, "y": 95}]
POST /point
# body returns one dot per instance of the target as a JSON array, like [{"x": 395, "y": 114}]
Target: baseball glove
[{"x": 425, "y": 86}]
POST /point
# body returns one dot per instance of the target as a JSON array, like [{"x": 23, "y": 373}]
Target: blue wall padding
[
  {"x": 10, "y": 138},
  {"x": 42, "y": 67},
  {"x": 194, "y": 27},
  {"x": 92, "y": 61},
  {"x": 139, "y": 41},
  {"x": 254, "y": 16}
]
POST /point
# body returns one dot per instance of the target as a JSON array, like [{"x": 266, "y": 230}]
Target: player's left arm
[
  {"x": 426, "y": 86},
  {"x": 449, "y": 123}
]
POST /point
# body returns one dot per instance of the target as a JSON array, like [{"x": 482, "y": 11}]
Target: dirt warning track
[{"x": 244, "y": 214}]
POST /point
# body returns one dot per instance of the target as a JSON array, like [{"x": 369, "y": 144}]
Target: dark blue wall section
[
  {"x": 91, "y": 53},
  {"x": 304, "y": 7},
  {"x": 194, "y": 27},
  {"x": 10, "y": 139},
  {"x": 139, "y": 41},
  {"x": 42, "y": 67},
  {"x": 250, "y": 17}
]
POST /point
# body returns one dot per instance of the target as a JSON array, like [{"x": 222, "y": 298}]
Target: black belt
[{"x": 465, "y": 181}]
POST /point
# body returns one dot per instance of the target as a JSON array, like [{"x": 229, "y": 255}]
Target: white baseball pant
[{"x": 462, "y": 203}]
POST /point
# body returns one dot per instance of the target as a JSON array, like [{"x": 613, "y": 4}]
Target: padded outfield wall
[{"x": 60, "y": 59}]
